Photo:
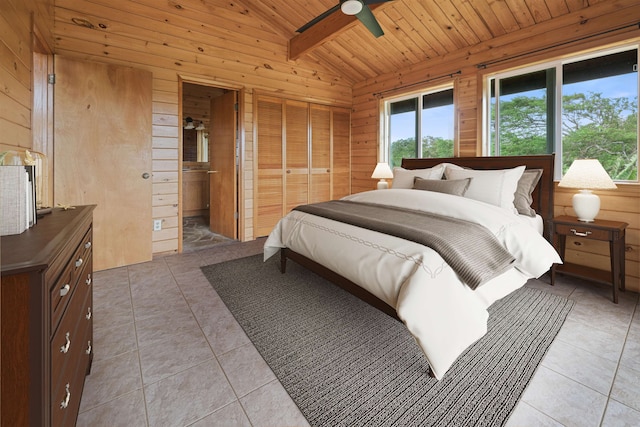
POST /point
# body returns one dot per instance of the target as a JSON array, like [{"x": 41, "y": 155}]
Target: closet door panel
[
  {"x": 297, "y": 154},
  {"x": 269, "y": 159},
  {"x": 320, "y": 154},
  {"x": 341, "y": 168}
]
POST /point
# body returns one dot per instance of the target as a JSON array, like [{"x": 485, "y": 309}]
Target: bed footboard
[{"x": 347, "y": 285}]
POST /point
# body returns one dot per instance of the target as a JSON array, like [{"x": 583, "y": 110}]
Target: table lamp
[
  {"x": 587, "y": 175},
  {"x": 382, "y": 172}
]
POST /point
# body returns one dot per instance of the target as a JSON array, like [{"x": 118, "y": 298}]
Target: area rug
[{"x": 344, "y": 363}]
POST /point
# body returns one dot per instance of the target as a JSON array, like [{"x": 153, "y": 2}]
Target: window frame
[
  {"x": 557, "y": 64},
  {"x": 385, "y": 147}
]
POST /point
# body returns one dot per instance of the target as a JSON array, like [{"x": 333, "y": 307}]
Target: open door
[{"x": 223, "y": 195}]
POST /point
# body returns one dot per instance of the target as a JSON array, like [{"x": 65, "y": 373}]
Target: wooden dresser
[{"x": 46, "y": 319}]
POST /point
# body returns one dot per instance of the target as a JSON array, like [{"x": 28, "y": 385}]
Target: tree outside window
[{"x": 598, "y": 113}]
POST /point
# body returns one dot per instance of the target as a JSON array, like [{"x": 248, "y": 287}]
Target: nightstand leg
[
  {"x": 618, "y": 254},
  {"x": 615, "y": 269},
  {"x": 621, "y": 249}
]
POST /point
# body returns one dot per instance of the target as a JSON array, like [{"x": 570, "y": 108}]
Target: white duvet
[{"x": 444, "y": 315}]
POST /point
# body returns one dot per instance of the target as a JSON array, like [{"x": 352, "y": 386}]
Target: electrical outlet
[{"x": 157, "y": 224}]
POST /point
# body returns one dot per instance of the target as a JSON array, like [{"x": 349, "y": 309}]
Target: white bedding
[{"x": 444, "y": 315}]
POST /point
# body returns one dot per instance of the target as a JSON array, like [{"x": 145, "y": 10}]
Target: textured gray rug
[{"x": 345, "y": 363}]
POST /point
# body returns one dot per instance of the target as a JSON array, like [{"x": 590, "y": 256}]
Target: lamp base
[
  {"x": 586, "y": 205},
  {"x": 383, "y": 185}
]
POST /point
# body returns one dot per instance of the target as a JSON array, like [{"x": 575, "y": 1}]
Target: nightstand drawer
[{"x": 578, "y": 231}]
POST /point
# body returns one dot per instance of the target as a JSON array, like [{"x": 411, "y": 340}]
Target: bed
[{"x": 442, "y": 300}]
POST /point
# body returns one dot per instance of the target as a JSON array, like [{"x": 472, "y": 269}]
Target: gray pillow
[
  {"x": 522, "y": 197},
  {"x": 457, "y": 187}
]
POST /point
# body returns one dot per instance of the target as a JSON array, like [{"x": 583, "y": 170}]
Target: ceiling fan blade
[
  {"x": 366, "y": 17},
  {"x": 318, "y": 18}
]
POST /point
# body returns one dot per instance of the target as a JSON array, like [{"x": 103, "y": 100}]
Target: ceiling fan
[{"x": 359, "y": 8}]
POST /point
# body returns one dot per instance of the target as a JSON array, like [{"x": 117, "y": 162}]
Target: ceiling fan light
[{"x": 351, "y": 7}]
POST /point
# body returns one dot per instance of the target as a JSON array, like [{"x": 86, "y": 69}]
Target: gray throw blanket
[{"x": 471, "y": 250}]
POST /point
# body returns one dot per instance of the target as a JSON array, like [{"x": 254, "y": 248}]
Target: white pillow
[
  {"x": 450, "y": 166},
  {"x": 403, "y": 178},
  {"x": 496, "y": 187}
]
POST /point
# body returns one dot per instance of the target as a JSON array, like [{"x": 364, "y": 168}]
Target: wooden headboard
[{"x": 542, "y": 195}]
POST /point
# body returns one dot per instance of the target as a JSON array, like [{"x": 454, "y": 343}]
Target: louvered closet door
[
  {"x": 320, "y": 154},
  {"x": 296, "y": 154},
  {"x": 341, "y": 167},
  {"x": 269, "y": 196}
]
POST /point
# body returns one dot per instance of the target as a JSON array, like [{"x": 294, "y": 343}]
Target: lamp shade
[
  {"x": 586, "y": 175},
  {"x": 382, "y": 172}
]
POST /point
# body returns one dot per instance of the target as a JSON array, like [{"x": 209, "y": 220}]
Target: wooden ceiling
[
  {"x": 261, "y": 34},
  {"x": 415, "y": 30}
]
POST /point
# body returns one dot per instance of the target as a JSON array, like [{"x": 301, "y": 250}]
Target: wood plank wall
[
  {"x": 198, "y": 55},
  {"x": 151, "y": 36},
  {"x": 462, "y": 69},
  {"x": 16, "y": 67}
]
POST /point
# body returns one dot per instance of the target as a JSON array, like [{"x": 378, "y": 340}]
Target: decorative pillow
[
  {"x": 496, "y": 187},
  {"x": 457, "y": 187},
  {"x": 523, "y": 196},
  {"x": 403, "y": 178},
  {"x": 450, "y": 166}
]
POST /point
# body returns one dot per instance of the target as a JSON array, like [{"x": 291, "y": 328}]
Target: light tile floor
[{"x": 169, "y": 353}]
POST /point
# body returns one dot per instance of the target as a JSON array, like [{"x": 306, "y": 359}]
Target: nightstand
[{"x": 607, "y": 231}]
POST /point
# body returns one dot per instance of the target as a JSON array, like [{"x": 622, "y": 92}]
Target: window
[
  {"x": 583, "y": 107},
  {"x": 419, "y": 125}
]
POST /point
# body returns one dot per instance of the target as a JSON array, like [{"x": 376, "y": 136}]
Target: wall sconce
[
  {"x": 587, "y": 175},
  {"x": 382, "y": 172},
  {"x": 189, "y": 123}
]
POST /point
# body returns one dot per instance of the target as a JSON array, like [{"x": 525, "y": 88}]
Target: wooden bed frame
[{"x": 542, "y": 203}]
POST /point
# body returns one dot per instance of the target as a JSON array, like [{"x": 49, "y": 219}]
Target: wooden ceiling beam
[{"x": 325, "y": 30}]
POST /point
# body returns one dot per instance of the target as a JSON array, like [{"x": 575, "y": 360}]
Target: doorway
[{"x": 209, "y": 166}]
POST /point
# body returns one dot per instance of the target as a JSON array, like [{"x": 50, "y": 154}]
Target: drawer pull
[
  {"x": 88, "y": 350},
  {"x": 65, "y": 348},
  {"x": 79, "y": 262},
  {"x": 87, "y": 245},
  {"x": 65, "y": 402},
  {"x": 65, "y": 290},
  {"x": 580, "y": 234},
  {"x": 88, "y": 316},
  {"x": 88, "y": 281}
]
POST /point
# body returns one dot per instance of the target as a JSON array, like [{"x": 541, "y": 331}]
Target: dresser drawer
[
  {"x": 75, "y": 272},
  {"x": 66, "y": 395},
  {"x": 72, "y": 330},
  {"x": 68, "y": 369},
  {"x": 82, "y": 255},
  {"x": 577, "y": 231},
  {"x": 61, "y": 293},
  {"x": 66, "y": 341}
]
